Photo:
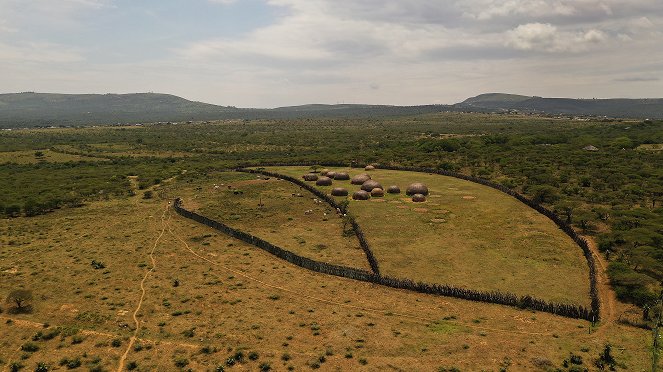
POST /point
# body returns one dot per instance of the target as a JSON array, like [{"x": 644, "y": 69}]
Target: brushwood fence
[
  {"x": 496, "y": 297},
  {"x": 565, "y": 227}
]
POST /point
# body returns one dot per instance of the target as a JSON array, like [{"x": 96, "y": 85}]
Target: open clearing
[
  {"x": 45, "y": 156},
  {"x": 232, "y": 297},
  {"x": 467, "y": 235}
]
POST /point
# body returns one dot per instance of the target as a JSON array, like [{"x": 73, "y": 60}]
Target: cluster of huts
[{"x": 368, "y": 186}]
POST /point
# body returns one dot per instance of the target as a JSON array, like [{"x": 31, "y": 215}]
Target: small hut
[
  {"x": 310, "y": 177},
  {"x": 394, "y": 189},
  {"x": 417, "y": 188},
  {"x": 331, "y": 174},
  {"x": 590, "y": 148},
  {"x": 342, "y": 176},
  {"x": 361, "y": 195},
  {"x": 324, "y": 172},
  {"x": 377, "y": 192},
  {"x": 360, "y": 179},
  {"x": 369, "y": 168},
  {"x": 324, "y": 181},
  {"x": 339, "y": 191},
  {"x": 418, "y": 198},
  {"x": 369, "y": 185}
]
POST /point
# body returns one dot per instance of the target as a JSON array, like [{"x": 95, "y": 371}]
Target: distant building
[{"x": 590, "y": 148}]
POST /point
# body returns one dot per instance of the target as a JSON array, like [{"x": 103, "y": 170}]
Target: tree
[
  {"x": 20, "y": 298},
  {"x": 545, "y": 194}
]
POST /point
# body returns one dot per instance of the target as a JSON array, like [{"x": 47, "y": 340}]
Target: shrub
[
  {"x": 253, "y": 355},
  {"x": 132, "y": 365},
  {"x": 21, "y": 299},
  {"x": 41, "y": 367},
  {"x": 264, "y": 367},
  {"x": 181, "y": 362},
  {"x": 29, "y": 347},
  {"x": 116, "y": 342}
]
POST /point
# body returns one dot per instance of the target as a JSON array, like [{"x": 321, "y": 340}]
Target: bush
[
  {"x": 253, "y": 355},
  {"x": 264, "y": 367},
  {"x": 181, "y": 362},
  {"x": 41, "y": 367},
  {"x": 116, "y": 342},
  {"x": 29, "y": 347},
  {"x": 132, "y": 365}
]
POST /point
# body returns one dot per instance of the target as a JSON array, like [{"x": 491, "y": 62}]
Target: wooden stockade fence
[{"x": 496, "y": 297}]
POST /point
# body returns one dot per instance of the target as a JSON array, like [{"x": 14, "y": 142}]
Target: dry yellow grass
[
  {"x": 49, "y": 156},
  {"x": 231, "y": 296}
]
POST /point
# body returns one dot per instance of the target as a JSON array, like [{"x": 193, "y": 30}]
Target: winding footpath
[{"x": 164, "y": 224}]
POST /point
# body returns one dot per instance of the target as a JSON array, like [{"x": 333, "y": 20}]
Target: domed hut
[
  {"x": 310, "y": 177},
  {"x": 324, "y": 172},
  {"x": 370, "y": 185},
  {"x": 360, "y": 179},
  {"x": 339, "y": 191},
  {"x": 418, "y": 198},
  {"x": 369, "y": 168},
  {"x": 377, "y": 192},
  {"x": 324, "y": 181},
  {"x": 394, "y": 189},
  {"x": 417, "y": 188},
  {"x": 342, "y": 176},
  {"x": 361, "y": 195},
  {"x": 331, "y": 174}
]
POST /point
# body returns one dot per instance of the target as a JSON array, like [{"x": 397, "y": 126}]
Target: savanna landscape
[{"x": 101, "y": 270}]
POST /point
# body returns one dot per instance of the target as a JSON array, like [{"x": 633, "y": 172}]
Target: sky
[{"x": 270, "y": 53}]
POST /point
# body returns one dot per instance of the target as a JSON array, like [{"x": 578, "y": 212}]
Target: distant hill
[
  {"x": 19, "y": 110},
  {"x": 625, "y": 108}
]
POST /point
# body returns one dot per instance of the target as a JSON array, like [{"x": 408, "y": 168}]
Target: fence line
[
  {"x": 524, "y": 302},
  {"x": 565, "y": 227}
]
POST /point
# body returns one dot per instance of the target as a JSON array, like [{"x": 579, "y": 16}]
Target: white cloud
[{"x": 548, "y": 38}]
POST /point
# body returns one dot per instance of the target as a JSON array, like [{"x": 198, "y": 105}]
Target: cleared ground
[
  {"x": 467, "y": 235},
  {"x": 39, "y": 156}
]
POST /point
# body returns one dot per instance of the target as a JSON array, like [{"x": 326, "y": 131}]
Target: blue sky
[{"x": 267, "y": 53}]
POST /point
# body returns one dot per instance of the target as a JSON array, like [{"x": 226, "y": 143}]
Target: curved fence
[
  {"x": 496, "y": 297},
  {"x": 565, "y": 227}
]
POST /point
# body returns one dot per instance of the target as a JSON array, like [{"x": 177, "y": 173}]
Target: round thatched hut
[
  {"x": 394, "y": 189},
  {"x": 417, "y": 188},
  {"x": 339, "y": 191},
  {"x": 361, "y": 195},
  {"x": 324, "y": 172},
  {"x": 369, "y": 168},
  {"x": 310, "y": 177},
  {"x": 377, "y": 192},
  {"x": 360, "y": 179},
  {"x": 331, "y": 174},
  {"x": 341, "y": 176},
  {"x": 370, "y": 185},
  {"x": 324, "y": 181},
  {"x": 418, "y": 198}
]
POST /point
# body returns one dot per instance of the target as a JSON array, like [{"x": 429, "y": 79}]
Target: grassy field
[
  {"x": 209, "y": 299},
  {"x": 467, "y": 235},
  {"x": 289, "y": 217}
]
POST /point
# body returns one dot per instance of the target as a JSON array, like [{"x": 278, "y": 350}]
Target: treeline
[{"x": 496, "y": 297}]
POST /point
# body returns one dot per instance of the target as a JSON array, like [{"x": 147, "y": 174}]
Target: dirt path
[
  {"x": 607, "y": 296},
  {"x": 164, "y": 224}
]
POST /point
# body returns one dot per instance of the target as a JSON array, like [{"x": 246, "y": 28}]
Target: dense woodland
[{"x": 614, "y": 194}]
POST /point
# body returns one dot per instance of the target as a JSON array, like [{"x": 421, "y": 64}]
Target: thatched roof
[
  {"x": 369, "y": 168},
  {"x": 339, "y": 191},
  {"x": 418, "y": 198},
  {"x": 377, "y": 192},
  {"x": 310, "y": 177},
  {"x": 417, "y": 188},
  {"x": 330, "y": 174},
  {"x": 590, "y": 148},
  {"x": 324, "y": 181},
  {"x": 394, "y": 189},
  {"x": 360, "y": 179},
  {"x": 324, "y": 172},
  {"x": 361, "y": 195},
  {"x": 341, "y": 176},
  {"x": 370, "y": 185}
]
